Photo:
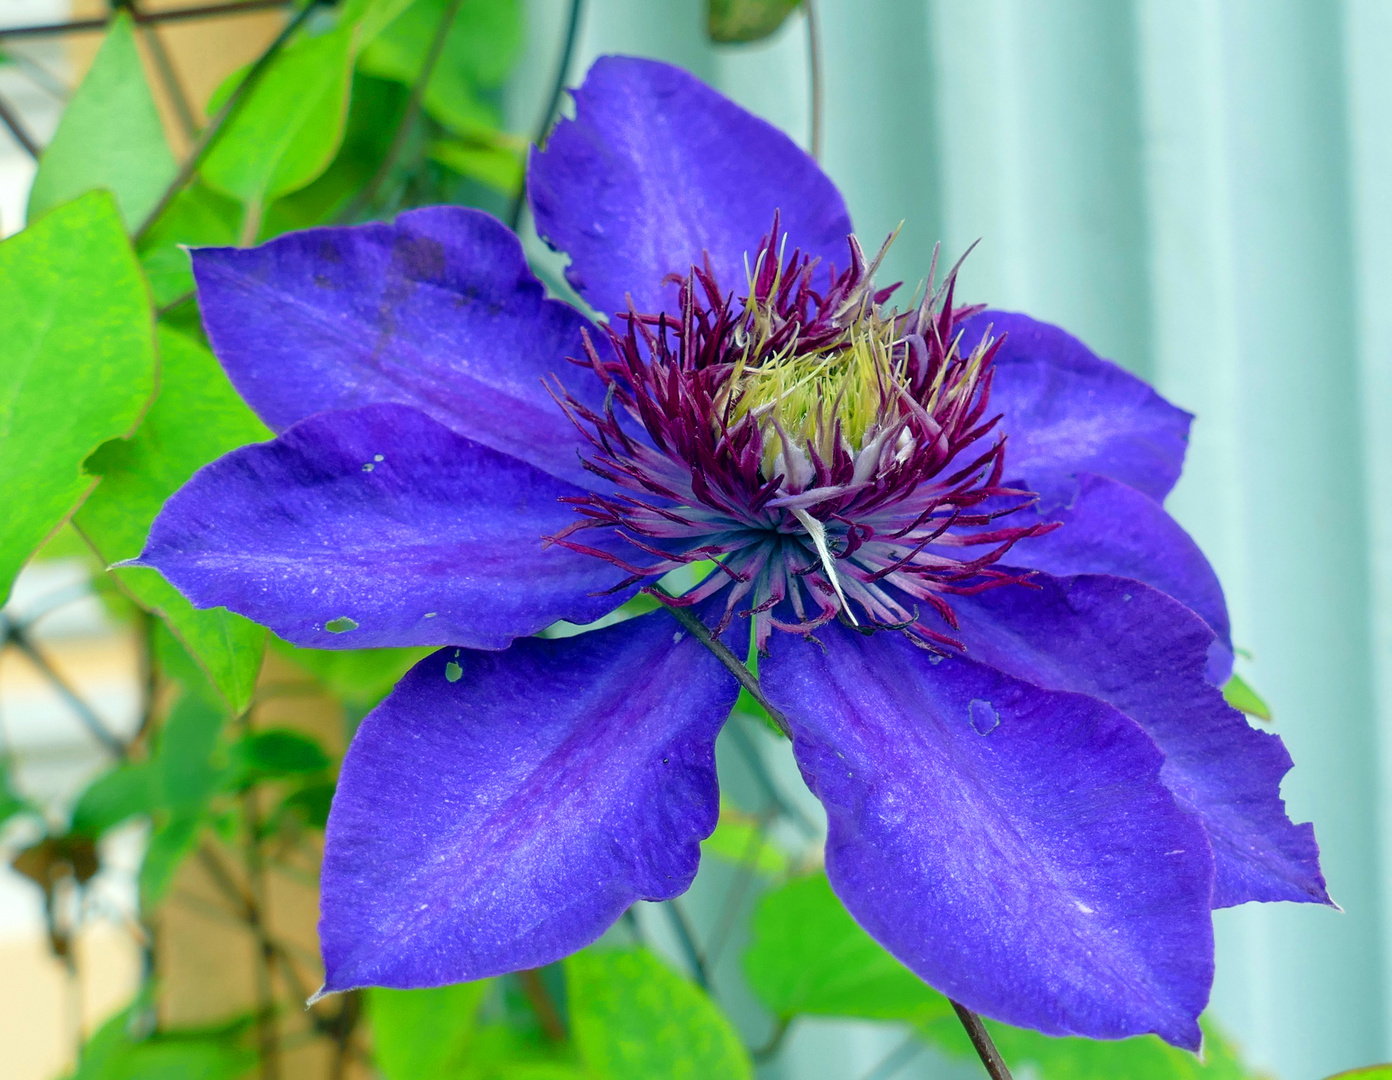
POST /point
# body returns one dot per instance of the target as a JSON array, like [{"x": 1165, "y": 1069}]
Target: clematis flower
[{"x": 941, "y": 527}]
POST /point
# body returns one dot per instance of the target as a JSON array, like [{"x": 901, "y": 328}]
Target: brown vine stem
[
  {"x": 218, "y": 122},
  {"x": 364, "y": 198},
  {"x": 164, "y": 68},
  {"x": 981, "y": 1042},
  {"x": 267, "y": 1030},
  {"x": 548, "y": 1016},
  {"x": 725, "y": 656},
  {"x": 78, "y": 26},
  {"x": 10, "y": 119}
]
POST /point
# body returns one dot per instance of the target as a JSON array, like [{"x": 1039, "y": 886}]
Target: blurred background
[{"x": 1200, "y": 189}]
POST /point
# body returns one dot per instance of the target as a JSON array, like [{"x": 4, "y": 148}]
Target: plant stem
[
  {"x": 981, "y": 1043},
  {"x": 15, "y": 636},
  {"x": 171, "y": 15},
  {"x": 344, "y": 1025},
  {"x": 725, "y": 656},
  {"x": 408, "y": 120},
  {"x": 216, "y": 125},
  {"x": 21, "y": 136},
  {"x": 267, "y": 1037},
  {"x": 896, "y": 1059},
  {"x": 769, "y": 1051},
  {"x": 164, "y": 67},
  {"x": 687, "y": 939},
  {"x": 739, "y": 887},
  {"x": 814, "y": 64},
  {"x": 759, "y": 769},
  {"x": 577, "y": 8},
  {"x": 548, "y": 1016}
]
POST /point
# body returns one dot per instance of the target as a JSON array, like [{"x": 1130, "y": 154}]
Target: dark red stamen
[{"x": 691, "y": 454}]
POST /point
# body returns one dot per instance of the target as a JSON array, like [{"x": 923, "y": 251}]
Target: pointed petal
[
  {"x": 437, "y": 310},
  {"x": 1110, "y": 528},
  {"x": 657, "y": 167},
  {"x": 1138, "y": 650},
  {"x": 1013, "y": 846},
  {"x": 378, "y": 527},
  {"x": 500, "y": 810},
  {"x": 1067, "y": 411}
]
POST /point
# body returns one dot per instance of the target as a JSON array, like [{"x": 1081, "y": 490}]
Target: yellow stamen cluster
[{"x": 804, "y": 396}]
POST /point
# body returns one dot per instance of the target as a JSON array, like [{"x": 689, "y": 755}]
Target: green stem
[
  {"x": 814, "y": 64},
  {"x": 408, "y": 120},
  {"x": 219, "y": 122},
  {"x": 687, "y": 939},
  {"x": 577, "y": 10}
]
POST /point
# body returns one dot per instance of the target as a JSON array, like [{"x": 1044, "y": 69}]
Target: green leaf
[
  {"x": 187, "y": 755},
  {"x": 1371, "y": 1072},
  {"x": 110, "y": 136},
  {"x": 809, "y": 956},
  {"x": 198, "y": 216},
  {"x": 287, "y": 130},
  {"x": 377, "y": 106},
  {"x": 734, "y": 21},
  {"x": 170, "y": 843},
  {"x": 114, "y": 1054},
  {"x": 196, "y": 418},
  {"x": 739, "y": 839},
  {"x": 498, "y": 162},
  {"x": 114, "y": 797},
  {"x": 308, "y": 805},
  {"x": 271, "y": 755},
  {"x": 1241, "y": 696},
  {"x": 423, "y": 1034},
  {"x": 77, "y": 339},
  {"x": 11, "y": 804},
  {"x": 371, "y": 16},
  {"x": 361, "y": 677},
  {"x": 634, "y": 1018},
  {"x": 479, "y": 51}
]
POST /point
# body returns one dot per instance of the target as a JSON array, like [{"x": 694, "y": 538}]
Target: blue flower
[{"x": 942, "y": 527}]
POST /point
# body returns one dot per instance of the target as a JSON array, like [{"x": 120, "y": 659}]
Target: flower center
[
  {"x": 813, "y": 399},
  {"x": 834, "y": 456}
]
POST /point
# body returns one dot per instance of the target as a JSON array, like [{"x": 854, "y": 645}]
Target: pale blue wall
[{"x": 1201, "y": 189}]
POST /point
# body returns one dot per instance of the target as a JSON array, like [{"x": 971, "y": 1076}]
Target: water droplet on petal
[
  {"x": 453, "y": 672},
  {"x": 378, "y": 457},
  {"x": 340, "y": 625},
  {"x": 431, "y": 614},
  {"x": 983, "y": 716},
  {"x": 369, "y": 467}
]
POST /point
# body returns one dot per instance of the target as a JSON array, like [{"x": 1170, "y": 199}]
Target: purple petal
[
  {"x": 500, "y": 810},
  {"x": 1140, "y": 651},
  {"x": 657, "y": 167},
  {"x": 437, "y": 310},
  {"x": 1067, "y": 411},
  {"x": 1013, "y": 846},
  {"x": 1110, "y": 528},
  {"x": 379, "y": 527}
]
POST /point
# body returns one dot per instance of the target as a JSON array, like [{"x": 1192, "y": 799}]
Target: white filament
[{"x": 817, "y": 531}]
